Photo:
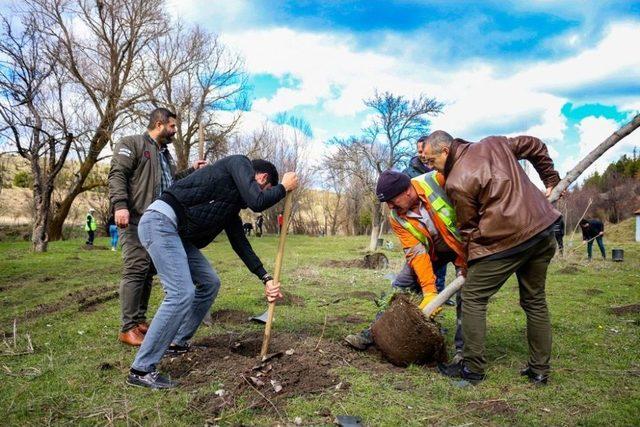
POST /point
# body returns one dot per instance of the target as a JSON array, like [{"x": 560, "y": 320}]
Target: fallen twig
[
  {"x": 264, "y": 397},
  {"x": 322, "y": 333}
]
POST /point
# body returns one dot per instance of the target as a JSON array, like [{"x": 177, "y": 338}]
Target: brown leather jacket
[{"x": 498, "y": 207}]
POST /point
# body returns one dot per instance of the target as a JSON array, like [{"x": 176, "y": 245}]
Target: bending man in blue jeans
[{"x": 187, "y": 217}]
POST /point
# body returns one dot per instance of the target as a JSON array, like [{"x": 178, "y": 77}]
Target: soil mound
[
  {"x": 374, "y": 261},
  {"x": 405, "y": 336},
  {"x": 235, "y": 317},
  {"x": 297, "y": 365},
  {"x": 569, "y": 269},
  {"x": 291, "y": 300}
]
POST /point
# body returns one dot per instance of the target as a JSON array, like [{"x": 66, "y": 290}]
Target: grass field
[{"x": 65, "y": 307}]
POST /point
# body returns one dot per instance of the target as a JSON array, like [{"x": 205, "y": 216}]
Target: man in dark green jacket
[{"x": 141, "y": 168}]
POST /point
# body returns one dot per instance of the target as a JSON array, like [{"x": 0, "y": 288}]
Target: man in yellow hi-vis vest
[
  {"x": 424, "y": 221},
  {"x": 90, "y": 226}
]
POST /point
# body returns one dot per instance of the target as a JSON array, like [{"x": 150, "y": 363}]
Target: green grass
[{"x": 596, "y": 354}]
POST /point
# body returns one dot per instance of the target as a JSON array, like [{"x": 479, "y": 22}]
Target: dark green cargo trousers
[
  {"x": 137, "y": 276},
  {"x": 485, "y": 278}
]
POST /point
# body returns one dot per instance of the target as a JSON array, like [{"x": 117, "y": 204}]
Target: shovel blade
[{"x": 261, "y": 318}]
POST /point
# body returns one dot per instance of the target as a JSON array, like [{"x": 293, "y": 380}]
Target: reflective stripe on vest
[{"x": 439, "y": 203}]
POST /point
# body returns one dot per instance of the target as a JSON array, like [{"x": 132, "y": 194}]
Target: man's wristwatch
[{"x": 266, "y": 278}]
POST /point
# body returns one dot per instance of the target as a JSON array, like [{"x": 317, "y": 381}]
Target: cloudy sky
[{"x": 566, "y": 71}]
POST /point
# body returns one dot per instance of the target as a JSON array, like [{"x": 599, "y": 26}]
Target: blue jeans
[
  {"x": 113, "y": 231},
  {"x": 600, "y": 245},
  {"x": 189, "y": 282}
]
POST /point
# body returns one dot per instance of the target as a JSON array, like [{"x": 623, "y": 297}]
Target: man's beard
[{"x": 166, "y": 137}]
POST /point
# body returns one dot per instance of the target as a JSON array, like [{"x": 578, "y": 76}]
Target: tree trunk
[
  {"x": 375, "y": 226},
  {"x": 612, "y": 140},
  {"x": 42, "y": 202},
  {"x": 100, "y": 140}
]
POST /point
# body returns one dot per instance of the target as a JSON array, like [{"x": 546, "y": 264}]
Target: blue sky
[{"x": 565, "y": 71}]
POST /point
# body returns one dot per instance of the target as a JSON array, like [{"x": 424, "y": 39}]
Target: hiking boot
[
  {"x": 459, "y": 370},
  {"x": 359, "y": 341},
  {"x": 536, "y": 379},
  {"x": 151, "y": 380},
  {"x": 457, "y": 358}
]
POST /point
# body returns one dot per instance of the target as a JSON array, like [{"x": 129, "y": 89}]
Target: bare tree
[
  {"x": 32, "y": 115},
  {"x": 388, "y": 141},
  {"x": 105, "y": 46},
  {"x": 209, "y": 91}
]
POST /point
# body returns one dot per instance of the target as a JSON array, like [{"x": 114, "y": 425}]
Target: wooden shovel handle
[{"x": 276, "y": 273}]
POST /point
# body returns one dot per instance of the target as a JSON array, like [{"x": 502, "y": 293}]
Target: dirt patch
[
  {"x": 593, "y": 292},
  {"x": 291, "y": 300},
  {"x": 491, "y": 407},
  {"x": 79, "y": 297},
  {"x": 374, "y": 261},
  {"x": 406, "y": 337},
  {"x": 349, "y": 318},
  {"x": 95, "y": 248},
  {"x": 625, "y": 309},
  {"x": 569, "y": 269},
  {"x": 235, "y": 317},
  {"x": 92, "y": 303},
  {"x": 368, "y": 295},
  {"x": 301, "y": 366}
]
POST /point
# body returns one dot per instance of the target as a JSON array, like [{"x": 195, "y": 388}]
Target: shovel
[{"x": 276, "y": 274}]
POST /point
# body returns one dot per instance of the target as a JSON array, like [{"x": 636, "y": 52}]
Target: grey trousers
[{"x": 137, "y": 276}]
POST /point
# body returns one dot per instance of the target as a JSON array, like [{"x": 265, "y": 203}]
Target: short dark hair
[
  {"x": 161, "y": 115},
  {"x": 438, "y": 140},
  {"x": 583, "y": 222},
  {"x": 263, "y": 166}
]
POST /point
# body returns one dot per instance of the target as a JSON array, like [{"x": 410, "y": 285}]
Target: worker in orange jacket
[{"x": 424, "y": 221}]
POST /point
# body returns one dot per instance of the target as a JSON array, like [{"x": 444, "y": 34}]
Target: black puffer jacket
[{"x": 209, "y": 201}]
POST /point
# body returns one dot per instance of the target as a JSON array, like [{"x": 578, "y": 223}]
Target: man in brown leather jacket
[
  {"x": 506, "y": 224},
  {"x": 141, "y": 168}
]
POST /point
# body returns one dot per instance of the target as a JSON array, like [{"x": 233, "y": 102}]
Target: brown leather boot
[
  {"x": 143, "y": 327},
  {"x": 131, "y": 337}
]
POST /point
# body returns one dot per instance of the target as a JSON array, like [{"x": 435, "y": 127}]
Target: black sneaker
[
  {"x": 151, "y": 380},
  {"x": 458, "y": 370},
  {"x": 536, "y": 379}
]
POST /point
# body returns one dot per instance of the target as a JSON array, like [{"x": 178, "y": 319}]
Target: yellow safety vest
[
  {"x": 439, "y": 203},
  {"x": 90, "y": 224}
]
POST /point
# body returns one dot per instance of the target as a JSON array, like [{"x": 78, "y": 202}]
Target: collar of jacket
[
  {"x": 458, "y": 146},
  {"x": 418, "y": 165}
]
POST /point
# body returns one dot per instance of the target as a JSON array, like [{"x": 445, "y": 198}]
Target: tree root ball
[{"x": 405, "y": 336}]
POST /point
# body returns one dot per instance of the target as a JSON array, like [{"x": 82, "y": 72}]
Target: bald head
[{"x": 438, "y": 140}]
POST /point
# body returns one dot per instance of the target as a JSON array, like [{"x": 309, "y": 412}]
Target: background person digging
[
  {"x": 141, "y": 169},
  {"x": 187, "y": 217},
  {"x": 593, "y": 229},
  {"x": 424, "y": 221},
  {"x": 506, "y": 224}
]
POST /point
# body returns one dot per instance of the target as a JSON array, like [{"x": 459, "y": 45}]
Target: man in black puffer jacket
[{"x": 187, "y": 217}]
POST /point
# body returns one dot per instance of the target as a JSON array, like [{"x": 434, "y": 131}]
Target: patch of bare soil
[
  {"x": 92, "y": 303},
  {"x": 625, "y": 309},
  {"x": 368, "y": 295},
  {"x": 297, "y": 366},
  {"x": 291, "y": 300},
  {"x": 592, "y": 292},
  {"x": 95, "y": 247},
  {"x": 349, "y": 318},
  {"x": 81, "y": 297},
  {"x": 235, "y": 317},
  {"x": 374, "y": 261},
  {"x": 405, "y": 336},
  {"x": 569, "y": 269}
]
